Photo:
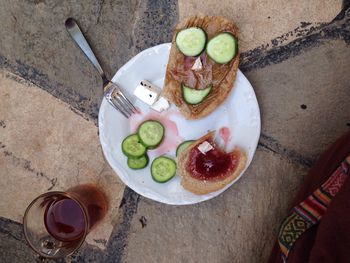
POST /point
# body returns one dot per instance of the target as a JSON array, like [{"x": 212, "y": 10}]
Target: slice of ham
[{"x": 198, "y": 79}]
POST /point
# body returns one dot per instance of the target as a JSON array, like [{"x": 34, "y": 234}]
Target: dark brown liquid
[
  {"x": 64, "y": 220},
  {"x": 64, "y": 217}
]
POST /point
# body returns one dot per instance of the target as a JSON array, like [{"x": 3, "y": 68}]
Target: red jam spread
[{"x": 213, "y": 164}]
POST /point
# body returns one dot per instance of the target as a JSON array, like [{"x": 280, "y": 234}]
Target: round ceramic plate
[{"x": 239, "y": 114}]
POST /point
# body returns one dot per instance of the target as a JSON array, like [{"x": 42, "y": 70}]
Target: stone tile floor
[{"x": 297, "y": 58}]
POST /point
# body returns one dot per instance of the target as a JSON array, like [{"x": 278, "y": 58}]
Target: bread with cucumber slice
[
  {"x": 202, "y": 65},
  {"x": 205, "y": 168}
]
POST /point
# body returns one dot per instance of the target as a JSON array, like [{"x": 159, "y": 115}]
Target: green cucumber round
[
  {"x": 132, "y": 147},
  {"x": 151, "y": 133},
  {"x": 191, "y": 41},
  {"x": 182, "y": 146},
  {"x": 222, "y": 48},
  {"x": 195, "y": 96},
  {"x": 138, "y": 163},
  {"x": 163, "y": 169}
]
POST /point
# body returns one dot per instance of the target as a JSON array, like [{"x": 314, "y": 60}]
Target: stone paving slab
[
  {"x": 303, "y": 94},
  {"x": 45, "y": 146},
  {"x": 237, "y": 226},
  {"x": 303, "y": 45},
  {"x": 35, "y": 44},
  {"x": 304, "y": 100},
  {"x": 261, "y": 21},
  {"x": 12, "y": 249}
]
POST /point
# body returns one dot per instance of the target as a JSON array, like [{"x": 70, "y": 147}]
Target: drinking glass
[{"x": 56, "y": 223}]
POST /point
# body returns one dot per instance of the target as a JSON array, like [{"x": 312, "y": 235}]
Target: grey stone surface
[
  {"x": 238, "y": 226},
  {"x": 47, "y": 146},
  {"x": 36, "y": 46},
  {"x": 34, "y": 35},
  {"x": 266, "y": 23},
  {"x": 303, "y": 93},
  {"x": 11, "y": 248},
  {"x": 14, "y": 249},
  {"x": 12, "y": 245},
  {"x": 304, "y": 100},
  {"x": 154, "y": 22},
  {"x": 34, "y": 42}
]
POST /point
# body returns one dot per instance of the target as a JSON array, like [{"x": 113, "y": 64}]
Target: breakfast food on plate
[
  {"x": 204, "y": 167},
  {"x": 202, "y": 65},
  {"x": 149, "y": 94},
  {"x": 138, "y": 163},
  {"x": 149, "y": 135},
  {"x": 163, "y": 169},
  {"x": 182, "y": 146}
]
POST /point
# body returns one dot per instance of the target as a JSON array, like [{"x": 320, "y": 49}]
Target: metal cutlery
[{"x": 111, "y": 91}]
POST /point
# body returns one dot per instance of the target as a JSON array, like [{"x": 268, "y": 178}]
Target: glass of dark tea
[{"x": 56, "y": 223}]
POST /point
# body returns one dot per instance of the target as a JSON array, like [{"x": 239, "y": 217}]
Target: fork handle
[{"x": 78, "y": 37}]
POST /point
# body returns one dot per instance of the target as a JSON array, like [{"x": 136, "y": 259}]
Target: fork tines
[{"x": 118, "y": 100}]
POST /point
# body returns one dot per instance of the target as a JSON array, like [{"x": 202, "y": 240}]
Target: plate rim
[{"x": 154, "y": 196}]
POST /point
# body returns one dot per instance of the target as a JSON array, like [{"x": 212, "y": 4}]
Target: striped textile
[{"x": 310, "y": 211}]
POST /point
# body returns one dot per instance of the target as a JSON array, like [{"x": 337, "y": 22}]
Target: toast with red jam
[{"x": 207, "y": 171}]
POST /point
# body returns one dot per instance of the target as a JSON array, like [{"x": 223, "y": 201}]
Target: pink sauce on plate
[
  {"x": 225, "y": 135},
  {"x": 171, "y": 138}
]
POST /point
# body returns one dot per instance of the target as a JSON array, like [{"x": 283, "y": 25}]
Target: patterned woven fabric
[{"x": 311, "y": 210}]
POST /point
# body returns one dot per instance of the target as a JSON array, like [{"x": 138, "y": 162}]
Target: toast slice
[
  {"x": 179, "y": 70},
  {"x": 198, "y": 184}
]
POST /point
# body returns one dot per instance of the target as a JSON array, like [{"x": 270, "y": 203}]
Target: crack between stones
[
  {"x": 134, "y": 24},
  {"x": 8, "y": 225},
  {"x": 253, "y": 59},
  {"x": 264, "y": 56},
  {"x": 101, "y": 4},
  {"x": 8, "y": 233},
  {"x": 27, "y": 165},
  {"x": 270, "y": 144}
]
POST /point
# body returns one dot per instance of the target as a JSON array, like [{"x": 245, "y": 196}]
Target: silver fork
[{"x": 111, "y": 91}]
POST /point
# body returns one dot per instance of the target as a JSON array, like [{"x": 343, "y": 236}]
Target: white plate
[{"x": 240, "y": 113}]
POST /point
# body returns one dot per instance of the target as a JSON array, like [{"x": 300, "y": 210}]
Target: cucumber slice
[
  {"x": 191, "y": 41},
  {"x": 132, "y": 147},
  {"x": 195, "y": 96},
  {"x": 222, "y": 48},
  {"x": 163, "y": 169},
  {"x": 138, "y": 163},
  {"x": 182, "y": 146},
  {"x": 151, "y": 133}
]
